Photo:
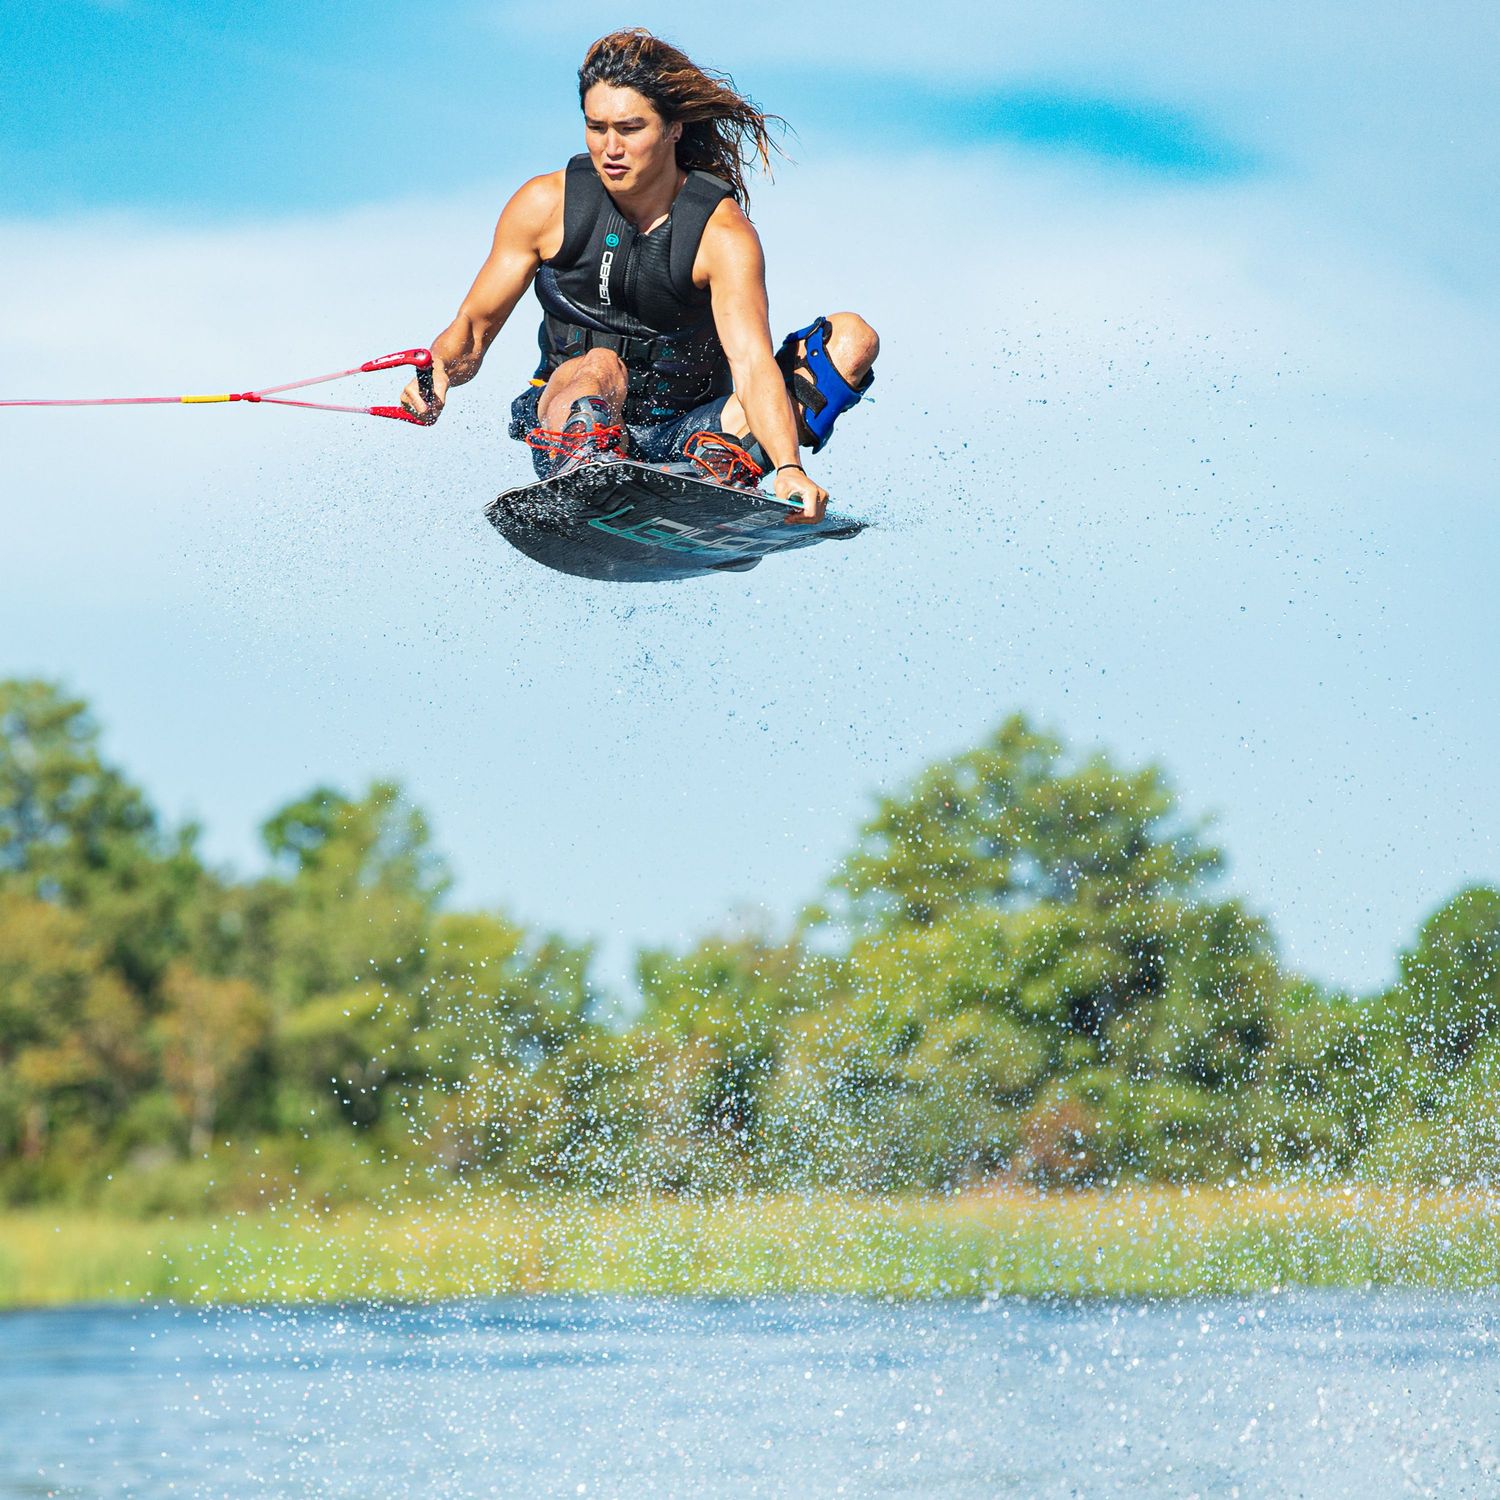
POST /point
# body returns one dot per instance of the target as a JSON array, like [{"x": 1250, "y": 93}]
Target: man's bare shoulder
[
  {"x": 730, "y": 245},
  {"x": 534, "y": 215},
  {"x": 537, "y": 199}
]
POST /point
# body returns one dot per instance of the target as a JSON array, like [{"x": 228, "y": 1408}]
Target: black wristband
[{"x": 798, "y": 467}]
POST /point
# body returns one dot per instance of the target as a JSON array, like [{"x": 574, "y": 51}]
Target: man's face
[{"x": 628, "y": 141}]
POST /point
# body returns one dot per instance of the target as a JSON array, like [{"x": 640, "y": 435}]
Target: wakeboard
[{"x": 629, "y": 522}]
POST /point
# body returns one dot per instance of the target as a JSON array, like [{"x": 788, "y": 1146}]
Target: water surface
[{"x": 1308, "y": 1394}]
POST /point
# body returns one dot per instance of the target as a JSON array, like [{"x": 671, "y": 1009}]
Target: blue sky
[
  {"x": 280, "y": 107},
  {"x": 1179, "y": 441}
]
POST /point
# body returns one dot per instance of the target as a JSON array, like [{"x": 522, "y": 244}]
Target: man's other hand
[{"x": 793, "y": 484}]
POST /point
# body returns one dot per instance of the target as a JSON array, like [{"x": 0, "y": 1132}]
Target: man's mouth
[{"x": 615, "y": 169}]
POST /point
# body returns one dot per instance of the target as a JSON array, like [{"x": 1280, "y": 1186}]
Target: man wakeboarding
[{"x": 655, "y": 338}]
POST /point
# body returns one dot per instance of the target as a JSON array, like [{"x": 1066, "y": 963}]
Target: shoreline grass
[{"x": 1135, "y": 1242}]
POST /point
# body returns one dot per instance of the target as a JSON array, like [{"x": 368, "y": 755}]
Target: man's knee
[
  {"x": 604, "y": 364},
  {"x": 853, "y": 345},
  {"x": 828, "y": 369},
  {"x": 595, "y": 372}
]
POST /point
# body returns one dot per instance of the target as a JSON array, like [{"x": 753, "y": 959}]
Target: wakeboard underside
[{"x": 633, "y": 523}]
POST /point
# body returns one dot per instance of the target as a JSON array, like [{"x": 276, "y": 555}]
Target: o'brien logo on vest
[{"x": 611, "y": 240}]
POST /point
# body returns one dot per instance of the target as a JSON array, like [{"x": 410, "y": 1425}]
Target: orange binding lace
[
  {"x": 580, "y": 440},
  {"x": 724, "y": 462}
]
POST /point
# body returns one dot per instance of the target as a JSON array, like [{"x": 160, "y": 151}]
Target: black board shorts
[{"x": 656, "y": 443}]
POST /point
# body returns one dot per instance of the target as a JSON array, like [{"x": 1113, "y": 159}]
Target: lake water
[{"x": 1306, "y": 1394}]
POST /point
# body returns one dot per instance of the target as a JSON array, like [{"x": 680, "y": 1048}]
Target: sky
[{"x": 1181, "y": 441}]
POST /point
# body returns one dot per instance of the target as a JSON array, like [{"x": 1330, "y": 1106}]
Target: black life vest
[{"x": 611, "y": 287}]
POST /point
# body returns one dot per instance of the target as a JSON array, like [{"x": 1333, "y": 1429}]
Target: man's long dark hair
[{"x": 722, "y": 131}]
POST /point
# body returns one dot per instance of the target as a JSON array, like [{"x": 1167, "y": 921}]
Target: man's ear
[{"x": 675, "y": 133}]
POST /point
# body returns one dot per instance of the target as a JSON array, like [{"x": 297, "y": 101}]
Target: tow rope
[{"x": 272, "y": 395}]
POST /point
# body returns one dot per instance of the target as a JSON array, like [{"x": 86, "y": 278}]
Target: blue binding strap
[{"x": 827, "y": 396}]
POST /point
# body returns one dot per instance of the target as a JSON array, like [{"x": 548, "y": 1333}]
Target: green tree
[
  {"x": 1448, "y": 999},
  {"x": 1328, "y": 1069},
  {"x": 212, "y": 1033},
  {"x": 1043, "y": 982},
  {"x": 1010, "y": 824},
  {"x": 498, "y": 1012},
  {"x": 64, "y": 812},
  {"x": 1449, "y": 1134},
  {"x": 75, "y": 831},
  {"x": 1436, "y": 1043},
  {"x": 355, "y": 886},
  {"x": 71, "y": 1052},
  {"x": 492, "y": 989},
  {"x": 727, "y": 1003}
]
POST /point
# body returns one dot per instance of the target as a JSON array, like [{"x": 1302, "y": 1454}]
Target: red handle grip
[
  {"x": 400, "y": 414},
  {"x": 421, "y": 358}
]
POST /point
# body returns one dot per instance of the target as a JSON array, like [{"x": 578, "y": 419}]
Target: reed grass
[{"x": 1137, "y": 1242}]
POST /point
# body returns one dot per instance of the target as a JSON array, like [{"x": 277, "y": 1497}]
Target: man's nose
[{"x": 614, "y": 145}]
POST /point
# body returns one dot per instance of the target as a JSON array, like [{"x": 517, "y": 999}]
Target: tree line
[{"x": 1023, "y": 970}]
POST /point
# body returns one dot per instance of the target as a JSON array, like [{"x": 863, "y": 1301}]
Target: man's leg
[
  {"x": 577, "y": 414},
  {"x": 598, "y": 375},
  {"x": 852, "y": 345}
]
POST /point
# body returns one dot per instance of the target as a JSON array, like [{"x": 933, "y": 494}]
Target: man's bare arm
[
  {"x": 520, "y": 245},
  {"x": 732, "y": 259}
]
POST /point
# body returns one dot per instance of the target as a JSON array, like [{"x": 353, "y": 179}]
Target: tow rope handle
[
  {"x": 422, "y": 360},
  {"x": 274, "y": 395}
]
